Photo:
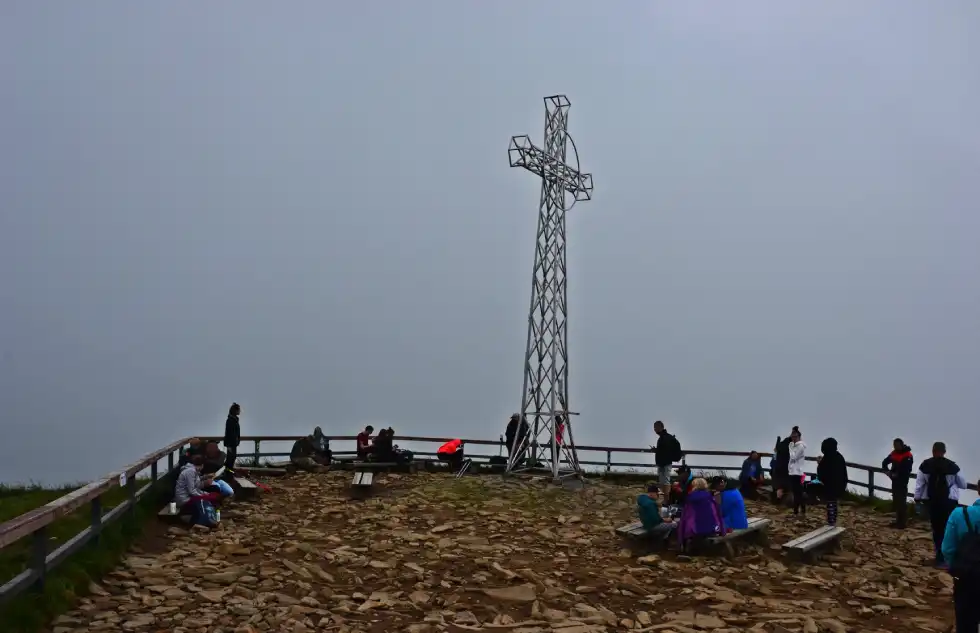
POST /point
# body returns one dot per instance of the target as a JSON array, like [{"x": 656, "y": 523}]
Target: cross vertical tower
[{"x": 545, "y": 392}]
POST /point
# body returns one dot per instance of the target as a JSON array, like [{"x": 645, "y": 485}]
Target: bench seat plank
[
  {"x": 816, "y": 538},
  {"x": 363, "y": 478},
  {"x": 755, "y": 524}
]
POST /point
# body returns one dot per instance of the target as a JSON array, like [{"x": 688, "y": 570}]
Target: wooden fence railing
[
  {"x": 869, "y": 485},
  {"x": 35, "y": 522}
]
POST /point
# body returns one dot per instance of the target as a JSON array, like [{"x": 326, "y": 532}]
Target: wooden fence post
[
  {"x": 96, "y": 524},
  {"x": 39, "y": 555},
  {"x": 608, "y": 461},
  {"x": 131, "y": 493},
  {"x": 153, "y": 472},
  {"x": 871, "y": 483},
  {"x": 257, "y": 453},
  {"x": 170, "y": 461}
]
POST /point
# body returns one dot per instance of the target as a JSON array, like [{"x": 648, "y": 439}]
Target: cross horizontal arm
[{"x": 523, "y": 153}]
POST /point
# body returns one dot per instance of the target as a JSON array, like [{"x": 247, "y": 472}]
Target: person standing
[
  {"x": 511, "y": 433},
  {"x": 898, "y": 466},
  {"x": 779, "y": 467},
  {"x": 797, "y": 457},
  {"x": 832, "y": 473},
  {"x": 938, "y": 484},
  {"x": 961, "y": 549},
  {"x": 233, "y": 435},
  {"x": 667, "y": 451}
]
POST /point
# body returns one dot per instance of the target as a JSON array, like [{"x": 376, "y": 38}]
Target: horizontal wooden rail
[{"x": 35, "y": 522}]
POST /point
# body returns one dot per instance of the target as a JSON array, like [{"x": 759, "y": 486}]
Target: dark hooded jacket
[
  {"x": 899, "y": 464},
  {"x": 233, "y": 431},
  {"x": 832, "y": 470}
]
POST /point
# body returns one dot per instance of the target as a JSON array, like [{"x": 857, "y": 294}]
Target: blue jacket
[
  {"x": 956, "y": 529},
  {"x": 733, "y": 510}
]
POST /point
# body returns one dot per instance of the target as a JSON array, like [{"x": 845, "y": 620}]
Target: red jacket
[{"x": 450, "y": 447}]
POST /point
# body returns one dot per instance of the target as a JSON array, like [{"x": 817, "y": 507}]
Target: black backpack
[
  {"x": 966, "y": 564},
  {"x": 674, "y": 449},
  {"x": 938, "y": 487}
]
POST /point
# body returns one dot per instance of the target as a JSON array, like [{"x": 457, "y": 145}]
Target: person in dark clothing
[
  {"x": 898, "y": 466},
  {"x": 384, "y": 446},
  {"x": 938, "y": 483},
  {"x": 780, "y": 469},
  {"x": 364, "y": 447},
  {"x": 751, "y": 476},
  {"x": 233, "y": 435},
  {"x": 510, "y": 435},
  {"x": 832, "y": 473},
  {"x": 666, "y": 452},
  {"x": 303, "y": 455}
]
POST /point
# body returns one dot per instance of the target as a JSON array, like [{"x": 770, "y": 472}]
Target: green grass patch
[{"x": 31, "y": 611}]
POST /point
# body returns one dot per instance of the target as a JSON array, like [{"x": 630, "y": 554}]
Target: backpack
[
  {"x": 937, "y": 487},
  {"x": 674, "y": 448},
  {"x": 966, "y": 564},
  {"x": 204, "y": 513}
]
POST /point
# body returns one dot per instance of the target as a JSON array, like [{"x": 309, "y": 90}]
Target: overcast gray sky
[{"x": 307, "y": 207}]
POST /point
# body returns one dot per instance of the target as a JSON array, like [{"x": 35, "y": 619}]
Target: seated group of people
[
  {"x": 695, "y": 510},
  {"x": 213, "y": 458},
  {"x": 381, "y": 448},
  {"x": 199, "y": 496},
  {"x": 311, "y": 451}
]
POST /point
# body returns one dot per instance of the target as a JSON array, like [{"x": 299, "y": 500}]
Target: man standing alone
[
  {"x": 938, "y": 483},
  {"x": 668, "y": 451},
  {"x": 898, "y": 465}
]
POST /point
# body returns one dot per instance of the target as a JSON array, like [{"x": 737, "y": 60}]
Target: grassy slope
[{"x": 31, "y": 610}]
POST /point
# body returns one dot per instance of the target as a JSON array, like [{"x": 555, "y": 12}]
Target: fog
[{"x": 307, "y": 208}]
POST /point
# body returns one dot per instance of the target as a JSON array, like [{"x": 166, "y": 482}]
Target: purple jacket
[{"x": 700, "y": 517}]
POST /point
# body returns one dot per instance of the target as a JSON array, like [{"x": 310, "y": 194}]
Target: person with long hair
[
  {"x": 797, "y": 457},
  {"x": 233, "y": 435}
]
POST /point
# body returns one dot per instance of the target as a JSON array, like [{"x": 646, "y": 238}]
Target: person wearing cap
[{"x": 651, "y": 516}]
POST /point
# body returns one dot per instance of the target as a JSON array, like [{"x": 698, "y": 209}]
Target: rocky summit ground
[{"x": 429, "y": 554}]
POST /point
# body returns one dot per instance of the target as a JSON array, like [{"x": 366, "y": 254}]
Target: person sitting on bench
[
  {"x": 680, "y": 489},
  {"x": 384, "y": 446},
  {"x": 752, "y": 475},
  {"x": 303, "y": 456},
  {"x": 321, "y": 447},
  {"x": 652, "y": 516},
  {"x": 188, "y": 487},
  {"x": 214, "y": 459},
  {"x": 732, "y": 504},
  {"x": 196, "y": 447},
  {"x": 364, "y": 446},
  {"x": 700, "y": 518},
  {"x": 452, "y": 453}
]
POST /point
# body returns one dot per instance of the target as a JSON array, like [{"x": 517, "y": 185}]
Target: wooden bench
[
  {"x": 362, "y": 484},
  {"x": 808, "y": 545},
  {"x": 639, "y": 535},
  {"x": 757, "y": 530}
]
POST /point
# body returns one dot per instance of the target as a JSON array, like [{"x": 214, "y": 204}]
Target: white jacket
[{"x": 797, "y": 456}]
